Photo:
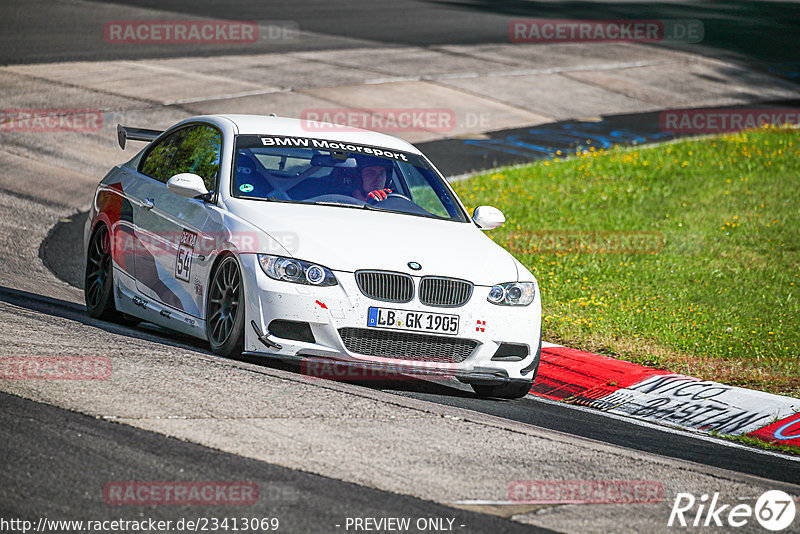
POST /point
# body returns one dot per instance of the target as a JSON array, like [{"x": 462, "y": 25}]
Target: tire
[
  {"x": 510, "y": 390},
  {"x": 98, "y": 281},
  {"x": 225, "y": 309}
]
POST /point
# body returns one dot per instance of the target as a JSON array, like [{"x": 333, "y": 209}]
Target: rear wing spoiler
[{"x": 135, "y": 134}]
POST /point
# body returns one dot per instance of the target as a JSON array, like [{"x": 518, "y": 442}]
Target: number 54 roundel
[{"x": 183, "y": 262}]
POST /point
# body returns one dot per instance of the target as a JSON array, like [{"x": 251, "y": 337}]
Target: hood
[{"x": 346, "y": 239}]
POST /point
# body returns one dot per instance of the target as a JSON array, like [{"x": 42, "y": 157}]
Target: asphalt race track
[
  {"x": 321, "y": 452},
  {"x": 760, "y": 32},
  {"x": 61, "y": 253},
  {"x": 38, "y": 436}
]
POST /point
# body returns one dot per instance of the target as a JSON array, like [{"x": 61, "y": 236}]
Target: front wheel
[
  {"x": 225, "y": 309},
  {"x": 509, "y": 390}
]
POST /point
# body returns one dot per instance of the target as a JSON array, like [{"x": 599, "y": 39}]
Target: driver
[{"x": 373, "y": 175}]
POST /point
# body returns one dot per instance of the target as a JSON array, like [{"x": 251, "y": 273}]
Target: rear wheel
[
  {"x": 225, "y": 309},
  {"x": 98, "y": 282}
]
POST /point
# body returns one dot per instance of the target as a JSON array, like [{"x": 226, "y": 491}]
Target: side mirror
[
  {"x": 187, "y": 184},
  {"x": 488, "y": 217}
]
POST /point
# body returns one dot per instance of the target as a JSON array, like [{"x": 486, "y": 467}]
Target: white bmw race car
[{"x": 297, "y": 240}]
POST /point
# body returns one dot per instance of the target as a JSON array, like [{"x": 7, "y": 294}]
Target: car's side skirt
[{"x": 129, "y": 300}]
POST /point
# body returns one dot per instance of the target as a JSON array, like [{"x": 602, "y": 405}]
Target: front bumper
[{"x": 333, "y": 311}]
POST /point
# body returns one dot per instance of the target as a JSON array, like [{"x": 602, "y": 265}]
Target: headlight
[
  {"x": 512, "y": 294},
  {"x": 297, "y": 271}
]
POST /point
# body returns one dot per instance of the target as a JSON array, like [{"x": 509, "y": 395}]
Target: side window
[
  {"x": 199, "y": 154},
  {"x": 422, "y": 192},
  {"x": 156, "y": 163}
]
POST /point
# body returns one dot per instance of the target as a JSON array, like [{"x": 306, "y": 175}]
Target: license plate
[{"x": 434, "y": 323}]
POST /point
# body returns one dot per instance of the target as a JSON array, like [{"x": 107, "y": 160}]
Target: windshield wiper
[
  {"x": 343, "y": 204},
  {"x": 272, "y": 199}
]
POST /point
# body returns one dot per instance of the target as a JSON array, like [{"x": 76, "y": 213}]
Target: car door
[{"x": 175, "y": 233}]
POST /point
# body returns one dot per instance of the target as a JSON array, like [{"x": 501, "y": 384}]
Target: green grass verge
[
  {"x": 684, "y": 256},
  {"x": 759, "y": 444}
]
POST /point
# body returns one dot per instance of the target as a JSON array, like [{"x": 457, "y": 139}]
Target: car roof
[{"x": 271, "y": 125}]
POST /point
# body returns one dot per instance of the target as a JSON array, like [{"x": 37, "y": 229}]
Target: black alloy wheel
[{"x": 225, "y": 309}]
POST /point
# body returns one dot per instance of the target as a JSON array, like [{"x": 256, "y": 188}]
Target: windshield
[{"x": 317, "y": 171}]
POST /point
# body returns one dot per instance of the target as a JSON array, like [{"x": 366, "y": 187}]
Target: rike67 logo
[{"x": 774, "y": 510}]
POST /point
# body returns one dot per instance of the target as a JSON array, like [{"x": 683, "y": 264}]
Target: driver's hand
[{"x": 379, "y": 194}]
